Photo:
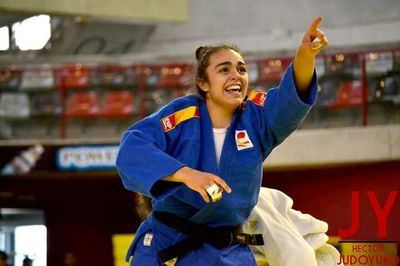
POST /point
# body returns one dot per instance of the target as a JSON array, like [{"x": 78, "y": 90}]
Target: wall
[
  {"x": 259, "y": 27},
  {"x": 326, "y": 194},
  {"x": 81, "y": 212},
  {"x": 337, "y": 146},
  {"x": 273, "y": 26}
]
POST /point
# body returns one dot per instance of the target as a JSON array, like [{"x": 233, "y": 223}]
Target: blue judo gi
[{"x": 180, "y": 134}]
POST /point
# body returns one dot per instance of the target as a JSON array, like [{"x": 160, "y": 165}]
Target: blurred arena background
[{"x": 75, "y": 74}]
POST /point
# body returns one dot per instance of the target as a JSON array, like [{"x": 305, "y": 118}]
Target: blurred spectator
[
  {"x": 3, "y": 258},
  {"x": 70, "y": 259}
]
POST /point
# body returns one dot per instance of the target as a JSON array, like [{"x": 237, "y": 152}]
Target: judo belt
[{"x": 219, "y": 237}]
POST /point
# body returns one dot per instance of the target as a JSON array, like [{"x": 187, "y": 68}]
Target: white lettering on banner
[{"x": 87, "y": 157}]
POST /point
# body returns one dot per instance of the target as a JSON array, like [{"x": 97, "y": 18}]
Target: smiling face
[{"x": 227, "y": 80}]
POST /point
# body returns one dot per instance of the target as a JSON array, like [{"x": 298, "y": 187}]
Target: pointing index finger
[{"x": 315, "y": 23}]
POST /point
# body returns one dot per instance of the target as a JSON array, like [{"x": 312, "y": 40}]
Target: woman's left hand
[
  {"x": 314, "y": 39},
  {"x": 313, "y": 42}
]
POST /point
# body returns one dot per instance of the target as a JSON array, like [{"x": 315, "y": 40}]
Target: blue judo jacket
[{"x": 180, "y": 134}]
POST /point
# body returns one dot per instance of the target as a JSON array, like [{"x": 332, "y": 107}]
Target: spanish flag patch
[
  {"x": 170, "y": 122},
  {"x": 257, "y": 97}
]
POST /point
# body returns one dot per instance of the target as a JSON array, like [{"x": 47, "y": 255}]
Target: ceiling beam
[{"x": 119, "y": 10}]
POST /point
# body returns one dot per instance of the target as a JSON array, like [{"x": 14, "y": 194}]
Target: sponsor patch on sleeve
[
  {"x": 258, "y": 97},
  {"x": 168, "y": 122},
  {"x": 171, "y": 121}
]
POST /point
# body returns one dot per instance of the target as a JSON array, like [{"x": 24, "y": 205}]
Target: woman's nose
[{"x": 235, "y": 74}]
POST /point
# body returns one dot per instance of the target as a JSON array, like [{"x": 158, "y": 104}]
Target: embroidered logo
[
  {"x": 147, "y": 240},
  {"x": 170, "y": 122},
  {"x": 242, "y": 140},
  {"x": 258, "y": 97}
]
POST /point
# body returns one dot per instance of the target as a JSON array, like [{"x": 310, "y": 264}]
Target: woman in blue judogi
[{"x": 200, "y": 157}]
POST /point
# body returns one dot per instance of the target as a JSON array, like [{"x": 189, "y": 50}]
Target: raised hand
[
  {"x": 313, "y": 42},
  {"x": 314, "y": 39}
]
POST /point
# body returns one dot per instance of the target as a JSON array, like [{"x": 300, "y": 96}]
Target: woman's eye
[
  {"x": 224, "y": 70},
  {"x": 242, "y": 69}
]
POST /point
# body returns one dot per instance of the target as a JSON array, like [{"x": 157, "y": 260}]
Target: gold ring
[{"x": 215, "y": 192}]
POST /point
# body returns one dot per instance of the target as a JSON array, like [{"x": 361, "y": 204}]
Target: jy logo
[{"x": 381, "y": 213}]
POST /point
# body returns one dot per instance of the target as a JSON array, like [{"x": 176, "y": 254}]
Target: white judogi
[{"x": 291, "y": 237}]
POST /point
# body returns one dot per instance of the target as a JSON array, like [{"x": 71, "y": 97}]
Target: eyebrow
[{"x": 240, "y": 63}]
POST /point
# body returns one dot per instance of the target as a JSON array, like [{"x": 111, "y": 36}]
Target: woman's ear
[{"x": 202, "y": 85}]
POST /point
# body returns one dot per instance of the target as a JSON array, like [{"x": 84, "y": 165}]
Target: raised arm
[
  {"x": 313, "y": 42},
  {"x": 287, "y": 105}
]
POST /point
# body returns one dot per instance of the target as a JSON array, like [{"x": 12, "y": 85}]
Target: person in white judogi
[{"x": 291, "y": 237}]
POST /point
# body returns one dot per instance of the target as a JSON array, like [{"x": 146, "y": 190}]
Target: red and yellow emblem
[
  {"x": 257, "y": 97},
  {"x": 170, "y": 122},
  {"x": 243, "y": 140}
]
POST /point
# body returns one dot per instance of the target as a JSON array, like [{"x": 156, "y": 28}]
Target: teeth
[{"x": 233, "y": 88}]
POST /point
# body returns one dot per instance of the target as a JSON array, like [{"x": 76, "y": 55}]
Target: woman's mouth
[{"x": 234, "y": 89}]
